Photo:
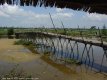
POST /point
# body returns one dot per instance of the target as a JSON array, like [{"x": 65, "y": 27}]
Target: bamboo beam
[{"x": 85, "y": 41}]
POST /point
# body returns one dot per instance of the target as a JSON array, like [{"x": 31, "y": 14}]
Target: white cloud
[
  {"x": 10, "y": 10},
  {"x": 59, "y": 10},
  {"x": 17, "y": 14},
  {"x": 17, "y": 11},
  {"x": 95, "y": 16},
  {"x": 13, "y": 15},
  {"x": 63, "y": 15},
  {"x": 2, "y": 14}
]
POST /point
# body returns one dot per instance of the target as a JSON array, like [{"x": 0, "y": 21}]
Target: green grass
[
  {"x": 28, "y": 44},
  {"x": 3, "y": 31},
  {"x": 21, "y": 42},
  {"x": 72, "y": 61},
  {"x": 88, "y": 33},
  {"x": 15, "y": 73}
]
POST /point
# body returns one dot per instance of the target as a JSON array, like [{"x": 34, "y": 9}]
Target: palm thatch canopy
[{"x": 98, "y": 6}]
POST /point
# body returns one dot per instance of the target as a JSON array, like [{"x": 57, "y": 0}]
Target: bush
[
  {"x": 27, "y": 44},
  {"x": 72, "y": 61},
  {"x": 46, "y": 53},
  {"x": 15, "y": 74},
  {"x": 21, "y": 42},
  {"x": 10, "y": 31}
]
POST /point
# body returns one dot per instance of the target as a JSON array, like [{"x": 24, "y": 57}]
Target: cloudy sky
[{"x": 39, "y": 16}]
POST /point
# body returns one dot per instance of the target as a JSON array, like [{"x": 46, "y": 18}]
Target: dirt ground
[
  {"x": 14, "y": 53},
  {"x": 11, "y": 55}
]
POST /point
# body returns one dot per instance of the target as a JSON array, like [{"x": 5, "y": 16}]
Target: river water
[{"x": 93, "y": 56}]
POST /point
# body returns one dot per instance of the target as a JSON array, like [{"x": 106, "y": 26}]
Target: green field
[
  {"x": 3, "y": 31},
  {"x": 77, "y": 32}
]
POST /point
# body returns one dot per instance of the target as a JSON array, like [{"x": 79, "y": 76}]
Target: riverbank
[
  {"x": 40, "y": 69},
  {"x": 14, "y": 53}
]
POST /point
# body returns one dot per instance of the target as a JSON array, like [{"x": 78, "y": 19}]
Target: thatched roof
[{"x": 98, "y": 6}]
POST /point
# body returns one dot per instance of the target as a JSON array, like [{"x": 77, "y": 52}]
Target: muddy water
[{"x": 40, "y": 69}]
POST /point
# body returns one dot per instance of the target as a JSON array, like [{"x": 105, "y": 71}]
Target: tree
[
  {"x": 93, "y": 27},
  {"x": 10, "y": 32}
]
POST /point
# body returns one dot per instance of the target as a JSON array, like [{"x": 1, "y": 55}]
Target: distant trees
[
  {"x": 93, "y": 27},
  {"x": 104, "y": 31},
  {"x": 93, "y": 30}
]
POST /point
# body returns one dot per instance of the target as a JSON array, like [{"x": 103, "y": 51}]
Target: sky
[{"x": 19, "y": 16}]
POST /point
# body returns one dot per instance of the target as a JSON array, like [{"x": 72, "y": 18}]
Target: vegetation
[
  {"x": 10, "y": 32},
  {"x": 21, "y": 42},
  {"x": 27, "y": 44},
  {"x": 15, "y": 74},
  {"x": 92, "y": 31},
  {"x": 72, "y": 61},
  {"x": 47, "y": 53},
  {"x": 61, "y": 67},
  {"x": 3, "y": 31},
  {"x": 93, "y": 27},
  {"x": 104, "y": 31}
]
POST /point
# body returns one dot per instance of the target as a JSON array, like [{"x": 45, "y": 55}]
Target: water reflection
[{"x": 63, "y": 48}]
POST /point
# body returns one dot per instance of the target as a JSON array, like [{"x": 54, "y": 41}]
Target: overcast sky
[{"x": 39, "y": 16}]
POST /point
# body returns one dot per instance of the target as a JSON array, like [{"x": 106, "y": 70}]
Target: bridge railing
[{"x": 90, "y": 53}]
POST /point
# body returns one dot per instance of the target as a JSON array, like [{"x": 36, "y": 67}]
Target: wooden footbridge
[
  {"x": 92, "y": 53},
  {"x": 94, "y": 42}
]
